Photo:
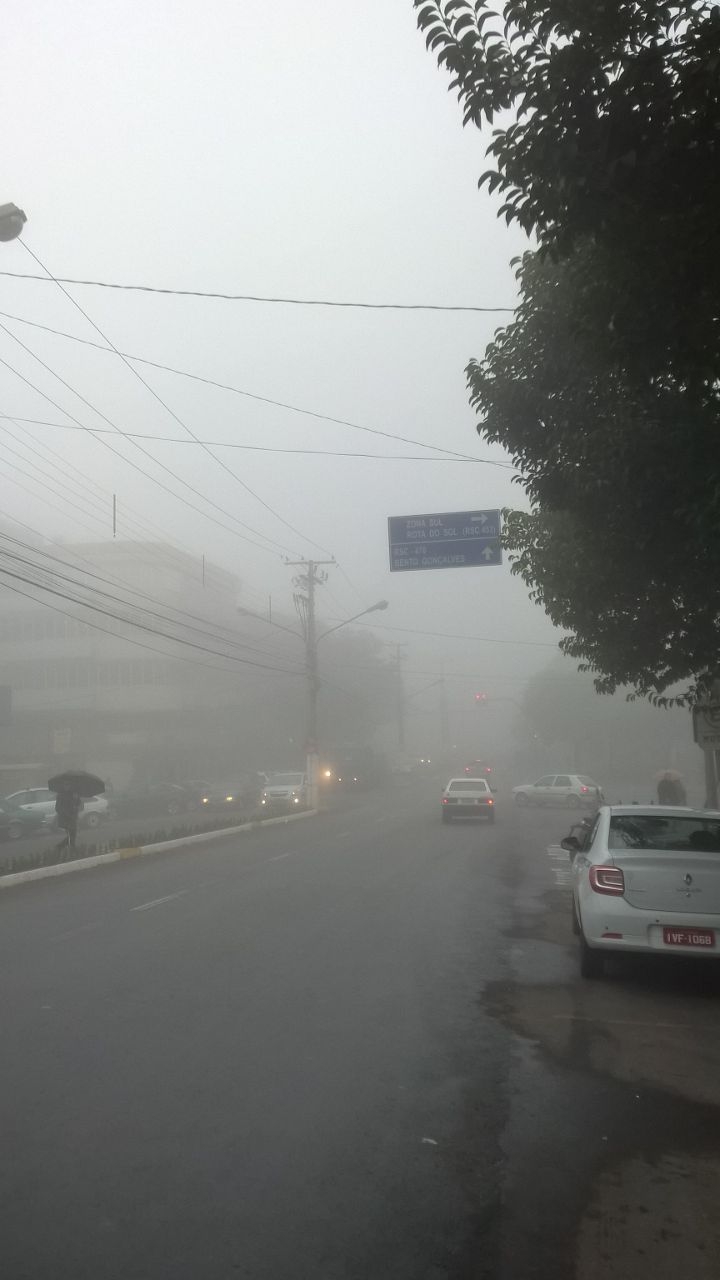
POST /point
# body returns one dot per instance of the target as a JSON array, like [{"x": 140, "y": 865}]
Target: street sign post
[
  {"x": 706, "y": 725},
  {"x": 450, "y": 540}
]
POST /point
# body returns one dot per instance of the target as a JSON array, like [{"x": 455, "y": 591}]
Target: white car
[
  {"x": 34, "y": 800},
  {"x": 284, "y": 791},
  {"x": 94, "y": 811},
  {"x": 467, "y": 798},
  {"x": 646, "y": 880},
  {"x": 574, "y": 790},
  {"x": 41, "y": 800}
]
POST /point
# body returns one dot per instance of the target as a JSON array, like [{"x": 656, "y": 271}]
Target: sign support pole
[{"x": 711, "y": 778}]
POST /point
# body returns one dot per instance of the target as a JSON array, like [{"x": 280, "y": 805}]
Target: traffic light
[{"x": 481, "y": 697}]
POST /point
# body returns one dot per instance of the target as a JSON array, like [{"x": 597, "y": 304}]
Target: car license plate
[{"x": 689, "y": 937}]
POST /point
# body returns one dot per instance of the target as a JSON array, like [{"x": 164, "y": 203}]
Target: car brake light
[
  {"x": 491, "y": 801},
  {"x": 584, "y": 788},
  {"x": 445, "y": 800},
  {"x": 607, "y": 880}
]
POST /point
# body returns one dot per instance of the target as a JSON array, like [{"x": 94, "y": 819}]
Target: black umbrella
[{"x": 77, "y": 780}]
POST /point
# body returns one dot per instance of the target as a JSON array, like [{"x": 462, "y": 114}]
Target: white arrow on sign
[
  {"x": 479, "y": 519},
  {"x": 487, "y": 554}
]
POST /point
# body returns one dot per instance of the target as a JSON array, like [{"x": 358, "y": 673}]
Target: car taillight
[
  {"x": 491, "y": 801},
  {"x": 445, "y": 800},
  {"x": 607, "y": 880}
]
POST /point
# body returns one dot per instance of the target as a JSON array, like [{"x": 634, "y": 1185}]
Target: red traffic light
[{"x": 481, "y": 697}]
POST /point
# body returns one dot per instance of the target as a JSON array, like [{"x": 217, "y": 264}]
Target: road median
[{"x": 13, "y": 878}]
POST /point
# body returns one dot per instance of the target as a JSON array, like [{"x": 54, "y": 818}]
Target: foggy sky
[{"x": 287, "y": 149}]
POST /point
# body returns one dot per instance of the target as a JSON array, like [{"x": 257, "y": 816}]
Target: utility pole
[
  {"x": 444, "y": 725},
  {"x": 312, "y": 577},
  {"x": 400, "y": 655}
]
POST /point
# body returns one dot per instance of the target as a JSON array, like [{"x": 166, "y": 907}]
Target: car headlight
[
  {"x": 229, "y": 799},
  {"x": 204, "y": 799}
]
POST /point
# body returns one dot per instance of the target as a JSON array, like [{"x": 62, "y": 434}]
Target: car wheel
[
  {"x": 521, "y": 798},
  {"x": 15, "y": 831},
  {"x": 491, "y": 817},
  {"x": 592, "y": 963}
]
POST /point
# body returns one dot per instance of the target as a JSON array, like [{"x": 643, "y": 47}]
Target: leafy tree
[{"x": 605, "y": 386}]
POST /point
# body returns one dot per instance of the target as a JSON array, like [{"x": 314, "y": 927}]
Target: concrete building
[{"x": 103, "y": 684}]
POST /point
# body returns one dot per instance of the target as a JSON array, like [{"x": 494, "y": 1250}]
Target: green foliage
[{"x": 605, "y": 387}]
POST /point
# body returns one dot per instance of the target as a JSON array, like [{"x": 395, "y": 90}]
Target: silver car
[{"x": 574, "y": 790}]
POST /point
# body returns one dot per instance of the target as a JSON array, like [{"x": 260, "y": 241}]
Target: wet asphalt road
[{"x": 352, "y": 1046}]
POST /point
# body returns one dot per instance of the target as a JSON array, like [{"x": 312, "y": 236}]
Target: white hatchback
[
  {"x": 575, "y": 790},
  {"x": 646, "y": 880}
]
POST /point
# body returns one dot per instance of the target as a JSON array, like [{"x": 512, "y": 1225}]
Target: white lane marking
[
  {"x": 280, "y": 856},
  {"x": 156, "y": 902},
  {"x": 560, "y": 866},
  {"x": 72, "y": 933}
]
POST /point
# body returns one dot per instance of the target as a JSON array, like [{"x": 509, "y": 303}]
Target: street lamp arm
[{"x": 374, "y": 608}]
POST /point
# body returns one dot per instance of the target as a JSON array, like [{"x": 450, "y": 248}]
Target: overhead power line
[
  {"x": 250, "y": 395},
  {"x": 448, "y": 635},
  {"x": 257, "y": 448},
  {"x": 101, "y": 440},
  {"x": 256, "y": 297},
  {"x": 243, "y": 484}
]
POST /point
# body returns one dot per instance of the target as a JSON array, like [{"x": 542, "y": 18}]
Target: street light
[
  {"x": 12, "y": 221},
  {"x": 374, "y": 608}
]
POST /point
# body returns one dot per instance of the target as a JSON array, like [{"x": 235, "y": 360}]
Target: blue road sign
[{"x": 453, "y": 540}]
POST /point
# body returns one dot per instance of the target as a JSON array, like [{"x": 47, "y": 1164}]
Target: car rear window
[
  {"x": 479, "y": 784},
  {"x": 680, "y": 834}
]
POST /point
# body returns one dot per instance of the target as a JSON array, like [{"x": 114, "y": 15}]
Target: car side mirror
[{"x": 570, "y": 844}]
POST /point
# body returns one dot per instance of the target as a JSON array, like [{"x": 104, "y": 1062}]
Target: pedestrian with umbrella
[
  {"x": 72, "y": 788},
  {"x": 670, "y": 789}
]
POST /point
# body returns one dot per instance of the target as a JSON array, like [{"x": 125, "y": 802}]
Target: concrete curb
[{"x": 140, "y": 851}]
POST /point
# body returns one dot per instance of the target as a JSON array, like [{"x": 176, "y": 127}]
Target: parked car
[
  {"x": 571, "y": 789},
  {"x": 154, "y": 798},
  {"x": 41, "y": 802},
  {"x": 38, "y": 800},
  {"x": 646, "y": 880},
  {"x": 284, "y": 791},
  {"x": 94, "y": 811},
  {"x": 16, "y": 821},
  {"x": 468, "y": 798}
]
